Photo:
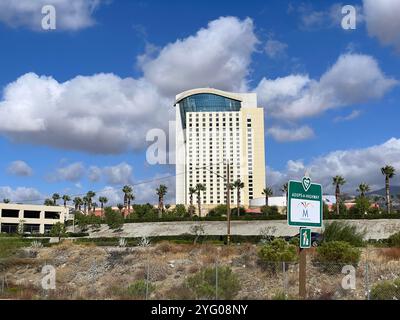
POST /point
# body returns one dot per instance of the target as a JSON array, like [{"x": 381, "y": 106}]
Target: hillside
[{"x": 394, "y": 191}]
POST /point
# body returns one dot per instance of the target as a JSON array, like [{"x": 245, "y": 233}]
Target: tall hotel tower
[{"x": 213, "y": 127}]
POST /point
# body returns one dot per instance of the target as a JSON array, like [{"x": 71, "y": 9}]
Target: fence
[{"x": 193, "y": 272}]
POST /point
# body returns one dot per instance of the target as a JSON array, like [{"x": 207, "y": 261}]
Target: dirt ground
[{"x": 91, "y": 272}]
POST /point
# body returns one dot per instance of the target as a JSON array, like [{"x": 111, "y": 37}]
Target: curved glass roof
[{"x": 207, "y": 102}]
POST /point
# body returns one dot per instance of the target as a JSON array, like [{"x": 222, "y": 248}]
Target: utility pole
[{"x": 228, "y": 204}]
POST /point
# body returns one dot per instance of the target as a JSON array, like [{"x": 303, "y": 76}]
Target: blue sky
[{"x": 330, "y": 95}]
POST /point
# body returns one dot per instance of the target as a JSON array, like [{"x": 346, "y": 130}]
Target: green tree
[
  {"x": 238, "y": 185},
  {"x": 267, "y": 192},
  {"x": 338, "y": 181},
  {"x": 199, "y": 188},
  {"x": 114, "y": 219},
  {"x": 218, "y": 211},
  {"x": 363, "y": 188},
  {"x": 6, "y": 200},
  {"x": 55, "y": 197},
  {"x": 57, "y": 230},
  {"x": 161, "y": 191},
  {"x": 362, "y": 205},
  {"x": 103, "y": 201},
  {"x": 66, "y": 198},
  {"x": 389, "y": 173}
]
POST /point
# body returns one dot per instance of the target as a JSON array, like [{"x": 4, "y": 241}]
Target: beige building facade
[
  {"x": 214, "y": 127},
  {"x": 33, "y": 218}
]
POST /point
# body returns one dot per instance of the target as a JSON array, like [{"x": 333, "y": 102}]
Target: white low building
[
  {"x": 34, "y": 218},
  {"x": 281, "y": 201}
]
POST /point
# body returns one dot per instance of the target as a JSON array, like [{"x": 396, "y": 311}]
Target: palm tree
[
  {"x": 94, "y": 206},
  {"x": 199, "y": 188},
  {"x": 267, "y": 192},
  {"x": 161, "y": 192},
  {"x": 85, "y": 201},
  {"x": 78, "y": 203},
  {"x": 130, "y": 197},
  {"x": 102, "y": 200},
  {"x": 49, "y": 202},
  {"x": 127, "y": 190},
  {"x": 284, "y": 189},
  {"x": 238, "y": 185},
  {"x": 338, "y": 181},
  {"x": 191, "y": 192},
  {"x": 55, "y": 197},
  {"x": 120, "y": 207},
  {"x": 90, "y": 195},
  {"x": 6, "y": 200},
  {"x": 388, "y": 172},
  {"x": 66, "y": 198},
  {"x": 363, "y": 188}
]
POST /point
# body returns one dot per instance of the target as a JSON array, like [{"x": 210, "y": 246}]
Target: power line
[{"x": 121, "y": 186}]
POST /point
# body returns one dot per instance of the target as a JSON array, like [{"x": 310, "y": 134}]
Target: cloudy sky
[{"x": 77, "y": 102}]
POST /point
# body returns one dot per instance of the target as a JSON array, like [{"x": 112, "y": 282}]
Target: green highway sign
[
  {"x": 304, "y": 203},
  {"x": 305, "y": 238}
]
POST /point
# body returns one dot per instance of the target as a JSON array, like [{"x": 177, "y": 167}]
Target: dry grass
[
  {"x": 390, "y": 253},
  {"x": 193, "y": 269}
]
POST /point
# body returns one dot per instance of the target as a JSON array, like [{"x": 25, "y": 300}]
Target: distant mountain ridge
[{"x": 394, "y": 191}]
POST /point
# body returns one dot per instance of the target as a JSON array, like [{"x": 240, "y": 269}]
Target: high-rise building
[{"x": 213, "y": 127}]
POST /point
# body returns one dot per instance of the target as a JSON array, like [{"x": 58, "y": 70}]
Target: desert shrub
[
  {"x": 339, "y": 231},
  {"x": 138, "y": 289},
  {"x": 270, "y": 255},
  {"x": 386, "y": 290},
  {"x": 270, "y": 211},
  {"x": 218, "y": 211},
  {"x": 113, "y": 218},
  {"x": 394, "y": 240},
  {"x": 339, "y": 252},
  {"x": 280, "y": 295},
  {"x": 181, "y": 292},
  {"x": 164, "y": 247},
  {"x": 203, "y": 284}
]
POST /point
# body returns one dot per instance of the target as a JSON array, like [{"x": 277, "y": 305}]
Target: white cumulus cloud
[
  {"x": 106, "y": 114},
  {"x": 275, "y": 48},
  {"x": 20, "y": 168},
  {"x": 72, "y": 172},
  {"x": 355, "y": 165},
  {"x": 20, "y": 194},
  {"x": 382, "y": 20},
  {"x": 70, "y": 14},
  {"x": 354, "y": 78},
  {"x": 217, "y": 56},
  {"x": 287, "y": 135}
]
